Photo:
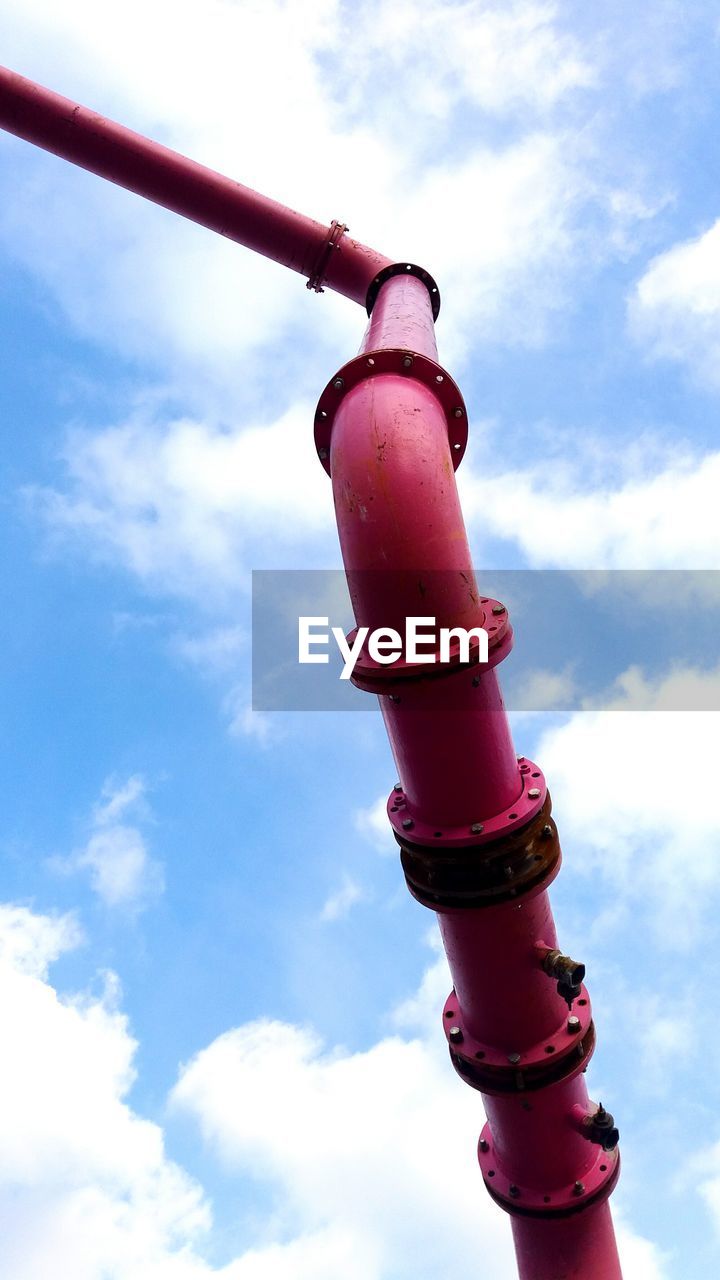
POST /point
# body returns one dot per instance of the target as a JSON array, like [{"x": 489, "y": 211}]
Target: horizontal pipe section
[{"x": 87, "y": 139}]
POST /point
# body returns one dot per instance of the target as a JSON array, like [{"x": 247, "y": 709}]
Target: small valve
[
  {"x": 602, "y": 1129},
  {"x": 567, "y": 973},
  {"x": 597, "y": 1126}
]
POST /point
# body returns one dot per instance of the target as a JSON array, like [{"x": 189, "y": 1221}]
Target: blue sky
[{"x": 223, "y": 1057}]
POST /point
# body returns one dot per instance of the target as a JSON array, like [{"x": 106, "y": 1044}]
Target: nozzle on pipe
[
  {"x": 568, "y": 973},
  {"x": 597, "y": 1126}
]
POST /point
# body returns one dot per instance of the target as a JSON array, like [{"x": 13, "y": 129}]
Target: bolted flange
[
  {"x": 560, "y": 1056},
  {"x": 390, "y": 360},
  {"x": 595, "y": 1185}
]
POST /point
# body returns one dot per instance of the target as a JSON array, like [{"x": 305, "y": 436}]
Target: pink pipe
[
  {"x": 455, "y": 758},
  {"x": 580, "y": 1248},
  {"x": 401, "y": 318},
  {"x": 506, "y": 998},
  {"x": 149, "y": 169},
  {"x": 538, "y": 1145},
  {"x": 405, "y": 551}
]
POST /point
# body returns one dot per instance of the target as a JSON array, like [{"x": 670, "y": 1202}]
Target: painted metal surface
[
  {"x": 472, "y": 819},
  {"x": 514, "y": 1032},
  {"x": 151, "y": 170}
]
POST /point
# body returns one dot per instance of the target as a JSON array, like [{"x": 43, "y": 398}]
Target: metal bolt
[
  {"x": 578, "y": 1188},
  {"x": 457, "y": 446},
  {"x": 547, "y": 831},
  {"x": 407, "y": 824},
  {"x": 573, "y": 1024},
  {"x": 484, "y": 1145},
  {"x": 456, "y": 1035},
  {"x": 407, "y": 362},
  {"x": 519, "y": 759},
  {"x": 338, "y": 384},
  {"x": 475, "y": 682},
  {"x": 507, "y": 872},
  {"x": 397, "y": 786},
  {"x": 513, "y": 1059},
  {"x": 476, "y": 829},
  {"x": 457, "y": 413},
  {"x": 498, "y": 608},
  {"x": 533, "y": 793},
  {"x": 514, "y": 1191},
  {"x": 322, "y": 454}
]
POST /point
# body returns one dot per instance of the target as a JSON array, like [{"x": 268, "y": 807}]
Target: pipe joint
[
  {"x": 403, "y": 269},
  {"x": 402, "y": 364},
  {"x": 481, "y": 864},
  {"x": 492, "y": 1070},
  {"x": 593, "y": 1185},
  {"x": 318, "y": 275},
  {"x": 383, "y": 678}
]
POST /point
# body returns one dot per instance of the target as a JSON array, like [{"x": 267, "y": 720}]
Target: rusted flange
[
  {"x": 559, "y": 1056},
  {"x": 595, "y": 1185},
  {"x": 466, "y": 866}
]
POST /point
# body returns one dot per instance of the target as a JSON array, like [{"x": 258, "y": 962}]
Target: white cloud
[
  {"x": 659, "y": 513},
  {"x": 632, "y": 793},
  {"x": 674, "y": 310},
  {"x": 122, "y": 873},
  {"x": 369, "y": 1155},
  {"x": 300, "y": 86},
  {"x": 29, "y": 943},
  {"x": 543, "y": 690},
  {"x": 498, "y": 58},
  {"x": 182, "y": 506},
  {"x": 339, "y": 903},
  {"x": 85, "y": 1187},
  {"x": 338, "y": 1133},
  {"x": 116, "y": 799},
  {"x": 373, "y": 823}
]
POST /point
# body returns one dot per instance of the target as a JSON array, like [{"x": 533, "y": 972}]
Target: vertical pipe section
[
  {"x": 579, "y": 1248},
  {"x": 406, "y": 554},
  {"x": 506, "y": 999}
]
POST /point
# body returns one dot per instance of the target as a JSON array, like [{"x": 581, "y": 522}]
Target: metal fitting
[{"x": 568, "y": 973}]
